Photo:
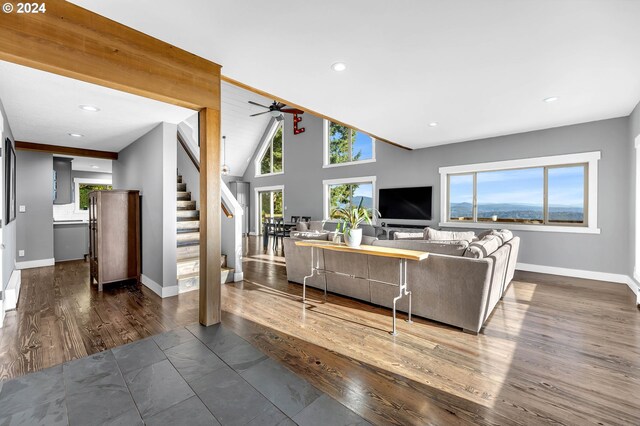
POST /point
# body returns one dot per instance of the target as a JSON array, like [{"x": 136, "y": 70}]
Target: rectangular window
[
  {"x": 344, "y": 145},
  {"x": 84, "y": 190},
  {"x": 345, "y": 193},
  {"x": 539, "y": 193},
  {"x": 510, "y": 196},
  {"x": 271, "y": 159}
]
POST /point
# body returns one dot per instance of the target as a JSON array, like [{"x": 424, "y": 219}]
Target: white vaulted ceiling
[
  {"x": 478, "y": 68},
  {"x": 243, "y": 132}
]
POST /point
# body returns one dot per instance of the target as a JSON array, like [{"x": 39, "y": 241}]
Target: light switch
[
  {"x": 21, "y": 253},
  {"x": 22, "y": 209}
]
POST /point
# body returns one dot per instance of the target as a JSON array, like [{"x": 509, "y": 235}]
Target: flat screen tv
[{"x": 405, "y": 203}]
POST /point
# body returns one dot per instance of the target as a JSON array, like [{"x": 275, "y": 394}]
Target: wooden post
[{"x": 210, "y": 282}]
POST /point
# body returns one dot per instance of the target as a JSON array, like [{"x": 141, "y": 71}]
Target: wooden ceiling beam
[{"x": 66, "y": 150}]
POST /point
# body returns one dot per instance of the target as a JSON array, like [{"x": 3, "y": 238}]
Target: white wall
[{"x": 149, "y": 165}]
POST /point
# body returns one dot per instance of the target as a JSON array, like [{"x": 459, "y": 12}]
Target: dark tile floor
[{"x": 194, "y": 375}]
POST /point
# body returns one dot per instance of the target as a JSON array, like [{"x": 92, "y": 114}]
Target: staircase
[{"x": 188, "y": 241}]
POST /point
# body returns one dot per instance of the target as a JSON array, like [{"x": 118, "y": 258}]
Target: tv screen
[{"x": 405, "y": 203}]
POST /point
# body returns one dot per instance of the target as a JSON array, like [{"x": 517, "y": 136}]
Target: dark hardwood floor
[{"x": 555, "y": 351}]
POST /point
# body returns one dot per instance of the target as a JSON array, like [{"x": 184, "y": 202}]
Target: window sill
[
  {"x": 349, "y": 163},
  {"x": 522, "y": 227},
  {"x": 270, "y": 174}
]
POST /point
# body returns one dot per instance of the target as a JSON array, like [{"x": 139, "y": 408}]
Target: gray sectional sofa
[{"x": 459, "y": 284}]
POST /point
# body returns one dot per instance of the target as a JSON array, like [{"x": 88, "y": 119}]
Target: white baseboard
[
  {"x": 634, "y": 285},
  {"x": 35, "y": 263},
  {"x": 238, "y": 276},
  {"x": 157, "y": 288},
  {"x": 12, "y": 292},
  {"x": 580, "y": 273}
]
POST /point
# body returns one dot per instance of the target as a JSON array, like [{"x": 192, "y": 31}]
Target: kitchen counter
[{"x": 70, "y": 239}]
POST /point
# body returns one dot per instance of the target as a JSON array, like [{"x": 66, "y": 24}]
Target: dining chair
[
  {"x": 279, "y": 231},
  {"x": 295, "y": 219},
  {"x": 306, "y": 219}
]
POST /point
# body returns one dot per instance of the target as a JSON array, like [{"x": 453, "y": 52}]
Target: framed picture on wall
[{"x": 9, "y": 181}]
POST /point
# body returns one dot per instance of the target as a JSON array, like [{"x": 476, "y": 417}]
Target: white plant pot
[{"x": 353, "y": 237}]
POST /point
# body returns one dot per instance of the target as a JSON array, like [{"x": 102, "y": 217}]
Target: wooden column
[{"x": 210, "y": 283}]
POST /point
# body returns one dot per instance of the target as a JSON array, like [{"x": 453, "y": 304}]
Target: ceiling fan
[{"x": 276, "y": 109}]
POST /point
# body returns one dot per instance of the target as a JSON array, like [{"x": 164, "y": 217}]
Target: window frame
[
  {"x": 76, "y": 188},
  {"x": 588, "y": 160},
  {"x": 268, "y": 142},
  {"x": 326, "y": 161},
  {"x": 326, "y": 193}
]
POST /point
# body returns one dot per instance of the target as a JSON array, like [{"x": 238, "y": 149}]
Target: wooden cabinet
[{"x": 114, "y": 236}]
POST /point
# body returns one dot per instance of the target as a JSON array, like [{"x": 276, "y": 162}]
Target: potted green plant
[{"x": 349, "y": 221}]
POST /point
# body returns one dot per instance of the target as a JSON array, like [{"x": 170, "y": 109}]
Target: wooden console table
[{"x": 401, "y": 254}]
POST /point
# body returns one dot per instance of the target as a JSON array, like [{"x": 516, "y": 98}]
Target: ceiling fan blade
[
  {"x": 255, "y": 103},
  {"x": 292, "y": 111},
  {"x": 280, "y": 105},
  {"x": 260, "y": 113}
]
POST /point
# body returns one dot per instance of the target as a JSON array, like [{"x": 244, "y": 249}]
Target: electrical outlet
[
  {"x": 21, "y": 253},
  {"x": 22, "y": 209}
]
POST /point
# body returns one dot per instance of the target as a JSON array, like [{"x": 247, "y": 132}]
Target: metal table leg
[{"x": 402, "y": 291}]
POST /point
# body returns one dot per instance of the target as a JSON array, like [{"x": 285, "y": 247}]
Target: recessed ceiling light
[
  {"x": 551, "y": 99},
  {"x": 433, "y": 124},
  {"x": 90, "y": 108},
  {"x": 75, "y": 135},
  {"x": 93, "y": 166},
  {"x": 339, "y": 66}
]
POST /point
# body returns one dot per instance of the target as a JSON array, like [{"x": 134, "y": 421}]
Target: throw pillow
[
  {"x": 302, "y": 226},
  {"x": 483, "y": 248},
  {"x": 432, "y": 234}
]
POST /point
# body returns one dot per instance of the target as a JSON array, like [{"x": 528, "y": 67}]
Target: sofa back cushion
[
  {"x": 408, "y": 235},
  {"x": 316, "y": 226},
  {"x": 452, "y": 249},
  {"x": 434, "y": 234},
  {"x": 484, "y": 247}
]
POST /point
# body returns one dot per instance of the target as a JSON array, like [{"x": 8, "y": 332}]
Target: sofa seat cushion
[
  {"x": 452, "y": 249},
  {"x": 323, "y": 236},
  {"x": 484, "y": 247},
  {"x": 434, "y": 234}
]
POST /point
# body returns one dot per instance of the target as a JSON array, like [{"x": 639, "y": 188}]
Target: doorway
[{"x": 270, "y": 204}]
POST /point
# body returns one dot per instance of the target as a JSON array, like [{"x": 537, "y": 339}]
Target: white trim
[
  {"x": 12, "y": 292},
  {"x": 35, "y": 263},
  {"x": 161, "y": 291},
  {"x": 325, "y": 149},
  {"x": 521, "y": 227},
  {"x": 591, "y": 158},
  {"x": 256, "y": 199},
  {"x": 76, "y": 188},
  {"x": 576, "y": 273},
  {"x": 636, "y": 266},
  {"x": 238, "y": 276},
  {"x": 263, "y": 147},
  {"x": 584, "y": 157},
  {"x": 327, "y": 182},
  {"x": 634, "y": 285},
  {"x": 350, "y": 163}
]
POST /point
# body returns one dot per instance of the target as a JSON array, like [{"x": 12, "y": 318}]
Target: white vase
[{"x": 353, "y": 237}]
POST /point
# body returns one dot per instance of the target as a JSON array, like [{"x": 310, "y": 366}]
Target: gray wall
[
  {"x": 35, "y": 192},
  {"x": 634, "y": 131},
  {"x": 607, "y": 252},
  {"x": 8, "y": 230},
  {"x": 149, "y": 165}
]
